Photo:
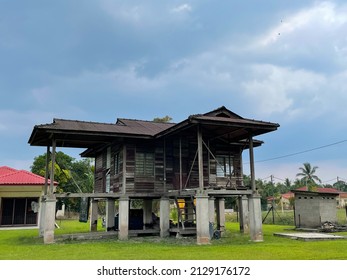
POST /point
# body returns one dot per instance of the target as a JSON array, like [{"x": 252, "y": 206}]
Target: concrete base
[
  {"x": 202, "y": 220},
  {"x": 93, "y": 215},
  {"x": 255, "y": 218},
  {"x": 244, "y": 214},
  {"x": 49, "y": 221},
  {"x": 42, "y": 215},
  {"x": 110, "y": 213},
  {"x": 123, "y": 218},
  {"x": 221, "y": 215},
  {"x": 164, "y": 217}
]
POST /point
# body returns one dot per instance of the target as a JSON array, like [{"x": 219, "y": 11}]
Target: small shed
[
  {"x": 314, "y": 208},
  {"x": 20, "y": 193}
]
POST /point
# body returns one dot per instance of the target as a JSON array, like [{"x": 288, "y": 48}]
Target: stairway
[{"x": 186, "y": 215}]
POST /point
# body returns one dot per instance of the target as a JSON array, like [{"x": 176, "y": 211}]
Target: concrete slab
[{"x": 310, "y": 236}]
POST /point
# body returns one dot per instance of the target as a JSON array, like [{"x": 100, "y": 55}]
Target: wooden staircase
[{"x": 186, "y": 224}]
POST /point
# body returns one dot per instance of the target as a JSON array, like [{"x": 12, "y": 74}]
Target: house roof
[
  {"x": 19, "y": 177},
  {"x": 220, "y": 123},
  {"x": 320, "y": 190},
  {"x": 6, "y": 170}
]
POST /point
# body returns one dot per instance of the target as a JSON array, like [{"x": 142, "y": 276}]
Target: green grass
[{"x": 26, "y": 245}]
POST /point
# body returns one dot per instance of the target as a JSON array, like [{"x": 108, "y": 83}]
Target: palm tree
[{"x": 307, "y": 175}]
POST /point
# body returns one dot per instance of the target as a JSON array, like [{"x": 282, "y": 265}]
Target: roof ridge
[
  {"x": 71, "y": 120},
  {"x": 137, "y": 120}
]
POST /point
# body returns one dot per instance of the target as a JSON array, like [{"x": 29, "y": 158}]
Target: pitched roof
[
  {"x": 219, "y": 123},
  {"x": 19, "y": 177},
  {"x": 6, "y": 170},
  {"x": 320, "y": 190}
]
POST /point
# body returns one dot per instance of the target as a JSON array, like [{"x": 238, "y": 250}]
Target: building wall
[
  {"x": 179, "y": 153},
  {"x": 312, "y": 209},
  {"x": 20, "y": 192}
]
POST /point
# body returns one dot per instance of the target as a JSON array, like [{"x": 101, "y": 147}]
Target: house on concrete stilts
[{"x": 197, "y": 163}]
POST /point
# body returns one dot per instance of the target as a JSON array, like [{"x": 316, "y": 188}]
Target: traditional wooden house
[{"x": 197, "y": 161}]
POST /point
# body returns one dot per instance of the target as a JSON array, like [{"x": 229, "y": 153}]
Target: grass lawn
[{"x": 25, "y": 245}]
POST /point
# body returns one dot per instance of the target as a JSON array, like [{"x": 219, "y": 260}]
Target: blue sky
[{"x": 278, "y": 61}]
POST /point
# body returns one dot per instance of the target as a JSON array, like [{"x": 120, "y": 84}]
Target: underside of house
[{"x": 197, "y": 163}]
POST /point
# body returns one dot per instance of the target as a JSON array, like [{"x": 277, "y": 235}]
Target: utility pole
[{"x": 273, "y": 200}]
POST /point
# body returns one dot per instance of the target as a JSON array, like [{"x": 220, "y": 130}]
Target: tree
[
  {"x": 163, "y": 119},
  {"x": 340, "y": 185},
  {"x": 62, "y": 168},
  {"x": 72, "y": 175},
  {"x": 308, "y": 176}
]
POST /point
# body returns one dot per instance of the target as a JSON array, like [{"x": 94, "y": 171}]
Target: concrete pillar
[
  {"x": 243, "y": 214},
  {"x": 147, "y": 212},
  {"x": 110, "y": 213},
  {"x": 189, "y": 211},
  {"x": 42, "y": 215},
  {"x": 255, "y": 218},
  {"x": 93, "y": 215},
  {"x": 164, "y": 217},
  {"x": 211, "y": 210},
  {"x": 49, "y": 221},
  {"x": 202, "y": 219},
  {"x": 221, "y": 215},
  {"x": 123, "y": 218}
]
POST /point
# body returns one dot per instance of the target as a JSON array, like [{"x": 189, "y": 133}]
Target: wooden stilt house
[{"x": 197, "y": 163}]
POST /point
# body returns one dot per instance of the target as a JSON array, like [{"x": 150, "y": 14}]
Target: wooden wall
[{"x": 180, "y": 154}]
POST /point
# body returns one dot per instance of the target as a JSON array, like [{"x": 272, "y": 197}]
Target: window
[
  {"x": 116, "y": 163},
  {"x": 108, "y": 165},
  {"x": 144, "y": 164},
  {"x": 224, "y": 166}
]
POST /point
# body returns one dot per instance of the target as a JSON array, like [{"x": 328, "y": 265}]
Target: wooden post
[
  {"x": 180, "y": 155},
  {"x": 200, "y": 160},
  {"x": 124, "y": 179},
  {"x": 51, "y": 188},
  {"x": 164, "y": 166},
  {"x": 46, "y": 170},
  {"x": 251, "y": 159}
]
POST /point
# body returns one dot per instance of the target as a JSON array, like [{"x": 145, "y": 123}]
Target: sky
[{"x": 278, "y": 61}]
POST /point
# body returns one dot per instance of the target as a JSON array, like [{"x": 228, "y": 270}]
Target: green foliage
[
  {"x": 308, "y": 176},
  {"x": 163, "y": 119},
  {"x": 341, "y": 185},
  {"x": 72, "y": 175}
]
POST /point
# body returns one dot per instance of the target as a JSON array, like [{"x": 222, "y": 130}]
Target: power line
[{"x": 302, "y": 152}]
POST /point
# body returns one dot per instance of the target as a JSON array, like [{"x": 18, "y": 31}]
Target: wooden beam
[
  {"x": 46, "y": 170},
  {"x": 124, "y": 179},
  {"x": 180, "y": 155},
  {"x": 251, "y": 162},
  {"x": 200, "y": 160},
  {"x": 51, "y": 187}
]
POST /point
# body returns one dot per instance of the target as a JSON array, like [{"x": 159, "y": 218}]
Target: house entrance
[{"x": 18, "y": 211}]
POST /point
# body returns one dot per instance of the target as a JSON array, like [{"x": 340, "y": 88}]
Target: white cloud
[
  {"x": 124, "y": 12},
  {"x": 150, "y": 16},
  {"x": 182, "y": 8},
  {"x": 309, "y": 24},
  {"x": 277, "y": 89}
]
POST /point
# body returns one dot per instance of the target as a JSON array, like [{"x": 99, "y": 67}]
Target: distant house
[
  {"x": 20, "y": 193},
  {"x": 341, "y": 197}
]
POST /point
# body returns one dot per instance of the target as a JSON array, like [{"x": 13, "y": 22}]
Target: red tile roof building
[{"x": 20, "y": 193}]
